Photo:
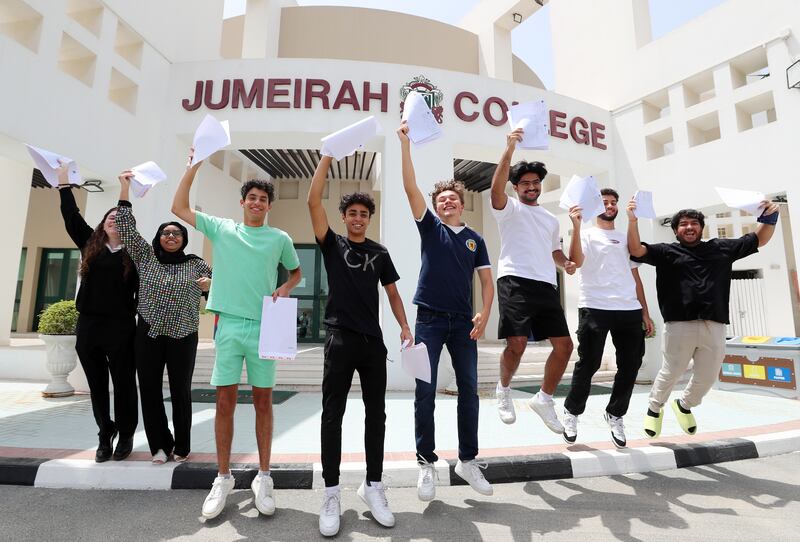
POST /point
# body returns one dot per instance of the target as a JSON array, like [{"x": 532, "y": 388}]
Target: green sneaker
[
  {"x": 652, "y": 425},
  {"x": 685, "y": 418}
]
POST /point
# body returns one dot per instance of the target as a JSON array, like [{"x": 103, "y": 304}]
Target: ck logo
[
  {"x": 472, "y": 245},
  {"x": 367, "y": 260}
]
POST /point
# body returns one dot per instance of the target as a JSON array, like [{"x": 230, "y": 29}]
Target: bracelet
[{"x": 769, "y": 220}]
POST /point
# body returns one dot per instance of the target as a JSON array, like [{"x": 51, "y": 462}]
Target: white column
[
  {"x": 16, "y": 180},
  {"x": 491, "y": 234},
  {"x": 432, "y": 163}
]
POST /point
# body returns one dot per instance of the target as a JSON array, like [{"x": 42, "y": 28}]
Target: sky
[{"x": 531, "y": 40}]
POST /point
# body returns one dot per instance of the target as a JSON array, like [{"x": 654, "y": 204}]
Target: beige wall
[
  {"x": 232, "y": 33},
  {"x": 43, "y": 229}
]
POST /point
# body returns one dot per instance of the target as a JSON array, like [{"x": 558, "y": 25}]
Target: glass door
[
  {"x": 58, "y": 278},
  {"x": 311, "y": 294}
]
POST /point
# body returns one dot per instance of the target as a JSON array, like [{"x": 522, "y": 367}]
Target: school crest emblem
[
  {"x": 472, "y": 245},
  {"x": 433, "y": 96}
]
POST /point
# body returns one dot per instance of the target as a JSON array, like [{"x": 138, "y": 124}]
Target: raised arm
[
  {"x": 575, "y": 248},
  {"x": 646, "y": 320},
  {"x": 180, "y": 203},
  {"x": 767, "y": 221},
  {"x": 136, "y": 246},
  {"x": 635, "y": 246},
  {"x": 319, "y": 220},
  {"x": 500, "y": 178},
  {"x": 396, "y": 303},
  {"x": 415, "y": 197},
  {"x": 481, "y": 318},
  {"x": 77, "y": 228}
]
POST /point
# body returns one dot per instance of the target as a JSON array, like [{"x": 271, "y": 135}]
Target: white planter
[{"x": 61, "y": 359}]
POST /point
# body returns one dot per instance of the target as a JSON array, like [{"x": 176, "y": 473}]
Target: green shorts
[{"x": 237, "y": 341}]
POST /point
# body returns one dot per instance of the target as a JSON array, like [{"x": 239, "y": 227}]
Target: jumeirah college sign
[{"x": 286, "y": 93}]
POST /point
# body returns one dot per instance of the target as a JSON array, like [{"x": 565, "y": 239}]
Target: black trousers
[
  {"x": 105, "y": 346},
  {"x": 178, "y": 356},
  {"x": 627, "y": 335},
  {"x": 345, "y": 353}
]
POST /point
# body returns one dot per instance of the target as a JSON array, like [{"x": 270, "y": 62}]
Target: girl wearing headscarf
[
  {"x": 171, "y": 283},
  {"x": 106, "y": 304}
]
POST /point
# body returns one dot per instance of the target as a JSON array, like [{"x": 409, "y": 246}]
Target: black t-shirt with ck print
[{"x": 354, "y": 270}]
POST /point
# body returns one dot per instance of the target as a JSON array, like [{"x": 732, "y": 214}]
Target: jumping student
[
  {"x": 106, "y": 304},
  {"x": 171, "y": 283},
  {"x": 246, "y": 256},
  {"x": 527, "y": 290},
  {"x": 693, "y": 284},
  {"x": 611, "y": 300},
  {"x": 451, "y": 254},
  {"x": 354, "y": 342}
]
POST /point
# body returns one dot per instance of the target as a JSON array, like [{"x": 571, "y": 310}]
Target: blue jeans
[{"x": 438, "y": 329}]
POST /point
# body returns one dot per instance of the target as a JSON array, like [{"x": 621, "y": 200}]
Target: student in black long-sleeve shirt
[{"x": 106, "y": 303}]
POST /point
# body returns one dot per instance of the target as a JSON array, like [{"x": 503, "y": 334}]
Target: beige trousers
[{"x": 701, "y": 340}]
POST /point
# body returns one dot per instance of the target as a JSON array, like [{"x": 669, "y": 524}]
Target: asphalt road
[{"x": 754, "y": 500}]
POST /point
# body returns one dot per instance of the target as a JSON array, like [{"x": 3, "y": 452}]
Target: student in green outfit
[{"x": 246, "y": 256}]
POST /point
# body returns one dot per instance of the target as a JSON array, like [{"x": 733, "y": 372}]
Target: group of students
[{"x": 693, "y": 284}]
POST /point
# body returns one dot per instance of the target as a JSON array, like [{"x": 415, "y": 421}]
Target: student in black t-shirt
[
  {"x": 354, "y": 342},
  {"x": 693, "y": 282}
]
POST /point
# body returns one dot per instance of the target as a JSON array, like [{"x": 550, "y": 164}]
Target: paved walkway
[{"x": 35, "y": 428}]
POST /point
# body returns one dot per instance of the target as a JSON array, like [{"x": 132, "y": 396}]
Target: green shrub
[{"x": 59, "y": 319}]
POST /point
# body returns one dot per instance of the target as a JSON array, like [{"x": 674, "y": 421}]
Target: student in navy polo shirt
[
  {"x": 355, "y": 265},
  {"x": 451, "y": 253}
]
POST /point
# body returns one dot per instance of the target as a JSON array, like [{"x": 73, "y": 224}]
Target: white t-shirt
[
  {"x": 528, "y": 238},
  {"x": 606, "y": 281}
]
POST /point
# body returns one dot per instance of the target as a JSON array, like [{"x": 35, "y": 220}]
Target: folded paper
[
  {"x": 532, "y": 118},
  {"x": 351, "y": 138},
  {"x": 583, "y": 192},
  {"x": 422, "y": 125},
  {"x": 211, "y": 136},
  {"x": 48, "y": 162},
  {"x": 415, "y": 362},
  {"x": 644, "y": 204},
  {"x": 278, "y": 336},
  {"x": 145, "y": 177},
  {"x": 748, "y": 201}
]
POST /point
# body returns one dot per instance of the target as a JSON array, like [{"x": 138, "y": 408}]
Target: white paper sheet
[
  {"x": 644, "y": 204},
  {"x": 748, "y": 201},
  {"x": 48, "y": 162},
  {"x": 532, "y": 118},
  {"x": 145, "y": 177},
  {"x": 422, "y": 125},
  {"x": 583, "y": 192},
  {"x": 349, "y": 139},
  {"x": 278, "y": 336},
  {"x": 415, "y": 362},
  {"x": 211, "y": 136}
]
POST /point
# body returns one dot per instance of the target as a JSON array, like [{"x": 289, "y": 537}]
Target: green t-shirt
[{"x": 245, "y": 264}]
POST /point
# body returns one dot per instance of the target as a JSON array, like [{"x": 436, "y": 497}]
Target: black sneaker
[
  {"x": 124, "y": 448},
  {"x": 103, "y": 453}
]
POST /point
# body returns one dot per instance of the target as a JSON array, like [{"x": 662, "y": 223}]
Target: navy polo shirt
[{"x": 449, "y": 261}]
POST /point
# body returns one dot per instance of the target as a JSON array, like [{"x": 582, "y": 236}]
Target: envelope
[
  {"x": 748, "y": 201},
  {"x": 644, "y": 204},
  {"x": 422, "y": 125},
  {"x": 415, "y": 362},
  {"x": 211, "y": 136},
  {"x": 278, "y": 333},
  {"x": 583, "y": 192},
  {"x": 532, "y": 118},
  {"x": 47, "y": 163},
  {"x": 145, "y": 177},
  {"x": 348, "y": 140}
]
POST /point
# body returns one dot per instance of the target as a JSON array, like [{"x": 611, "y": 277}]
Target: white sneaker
[
  {"x": 262, "y": 494},
  {"x": 215, "y": 501},
  {"x": 160, "y": 457},
  {"x": 375, "y": 498},
  {"x": 329, "y": 514},
  {"x": 570, "y": 427},
  {"x": 505, "y": 405},
  {"x": 470, "y": 471},
  {"x": 617, "y": 430},
  {"x": 547, "y": 411},
  {"x": 426, "y": 489}
]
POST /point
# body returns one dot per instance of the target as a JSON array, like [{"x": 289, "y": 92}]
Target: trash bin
[{"x": 761, "y": 365}]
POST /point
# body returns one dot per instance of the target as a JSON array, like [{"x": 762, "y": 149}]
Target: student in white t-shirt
[
  {"x": 527, "y": 289},
  {"x": 611, "y": 300}
]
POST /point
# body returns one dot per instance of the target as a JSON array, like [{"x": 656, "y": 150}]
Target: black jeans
[
  {"x": 627, "y": 335},
  {"x": 178, "y": 356},
  {"x": 105, "y": 345},
  {"x": 346, "y": 352}
]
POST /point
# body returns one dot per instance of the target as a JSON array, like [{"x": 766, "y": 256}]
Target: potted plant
[{"x": 57, "y": 329}]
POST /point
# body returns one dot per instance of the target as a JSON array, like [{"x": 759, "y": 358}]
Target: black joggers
[
  {"x": 627, "y": 335},
  {"x": 347, "y": 352},
  {"x": 178, "y": 356}
]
